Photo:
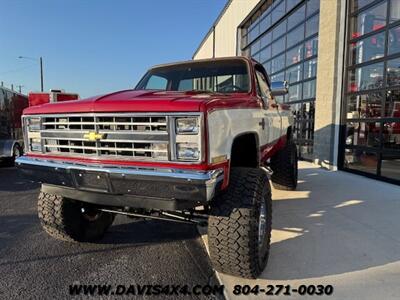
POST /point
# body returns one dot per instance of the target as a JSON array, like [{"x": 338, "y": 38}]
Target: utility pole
[
  {"x": 41, "y": 74},
  {"x": 41, "y": 68}
]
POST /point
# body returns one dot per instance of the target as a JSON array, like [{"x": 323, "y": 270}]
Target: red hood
[{"x": 138, "y": 101}]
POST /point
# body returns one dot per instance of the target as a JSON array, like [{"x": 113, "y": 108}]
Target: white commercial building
[{"x": 341, "y": 59}]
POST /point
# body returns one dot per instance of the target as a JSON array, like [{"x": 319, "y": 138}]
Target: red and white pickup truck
[{"x": 194, "y": 142}]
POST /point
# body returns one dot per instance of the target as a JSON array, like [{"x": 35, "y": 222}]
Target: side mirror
[{"x": 279, "y": 88}]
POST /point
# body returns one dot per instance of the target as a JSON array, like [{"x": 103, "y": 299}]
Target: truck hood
[{"x": 134, "y": 101}]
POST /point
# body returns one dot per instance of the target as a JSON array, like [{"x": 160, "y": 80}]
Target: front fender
[{"x": 6, "y": 147}]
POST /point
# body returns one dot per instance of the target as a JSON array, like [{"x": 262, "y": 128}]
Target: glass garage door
[
  {"x": 371, "y": 138},
  {"x": 283, "y": 36}
]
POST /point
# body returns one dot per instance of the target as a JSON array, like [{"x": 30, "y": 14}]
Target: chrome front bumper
[{"x": 151, "y": 188}]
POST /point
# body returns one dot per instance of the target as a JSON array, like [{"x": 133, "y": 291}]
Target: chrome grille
[{"x": 125, "y": 136}]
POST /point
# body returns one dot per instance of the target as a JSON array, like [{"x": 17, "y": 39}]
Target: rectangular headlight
[
  {"x": 187, "y": 125},
  {"x": 187, "y": 151}
]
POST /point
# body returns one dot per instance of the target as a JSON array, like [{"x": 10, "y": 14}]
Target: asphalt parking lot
[
  {"x": 337, "y": 229},
  {"x": 33, "y": 265}
]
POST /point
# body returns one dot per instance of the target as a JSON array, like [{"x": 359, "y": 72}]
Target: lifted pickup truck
[{"x": 193, "y": 142}]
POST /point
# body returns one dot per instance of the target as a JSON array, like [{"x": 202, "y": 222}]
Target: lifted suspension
[{"x": 191, "y": 218}]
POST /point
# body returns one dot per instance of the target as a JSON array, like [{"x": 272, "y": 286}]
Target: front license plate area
[{"x": 91, "y": 181}]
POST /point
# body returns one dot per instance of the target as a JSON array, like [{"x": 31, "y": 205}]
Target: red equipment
[{"x": 52, "y": 96}]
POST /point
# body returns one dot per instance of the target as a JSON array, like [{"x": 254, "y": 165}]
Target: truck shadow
[
  {"x": 122, "y": 236},
  {"x": 335, "y": 223},
  {"x": 147, "y": 231}
]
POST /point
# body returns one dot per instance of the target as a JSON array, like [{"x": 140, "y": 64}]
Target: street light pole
[{"x": 41, "y": 74}]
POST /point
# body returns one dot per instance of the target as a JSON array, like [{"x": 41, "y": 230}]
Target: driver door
[{"x": 271, "y": 115}]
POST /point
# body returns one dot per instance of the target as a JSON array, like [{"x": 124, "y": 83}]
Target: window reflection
[
  {"x": 393, "y": 72},
  {"x": 392, "y": 105},
  {"x": 311, "y": 47},
  {"x": 309, "y": 88},
  {"x": 278, "y": 63},
  {"x": 278, "y": 77},
  {"x": 296, "y": 17},
  {"x": 368, "y": 77},
  {"x": 391, "y": 166},
  {"x": 370, "y": 20},
  {"x": 266, "y": 39},
  {"x": 367, "y": 49},
  {"x": 265, "y": 23},
  {"x": 391, "y": 135},
  {"x": 279, "y": 30},
  {"x": 295, "y": 92},
  {"x": 361, "y": 160},
  {"x": 267, "y": 67},
  {"x": 278, "y": 46},
  {"x": 294, "y": 74},
  {"x": 255, "y": 47},
  {"x": 363, "y": 134},
  {"x": 278, "y": 12},
  {"x": 265, "y": 54},
  {"x": 310, "y": 68},
  {"x": 304, "y": 127},
  {"x": 294, "y": 56},
  {"x": 364, "y": 106},
  {"x": 394, "y": 10},
  {"x": 253, "y": 34},
  {"x": 312, "y": 7},
  {"x": 295, "y": 36},
  {"x": 372, "y": 139},
  {"x": 394, "y": 40},
  {"x": 357, "y": 4},
  {"x": 304, "y": 113},
  {"x": 257, "y": 56},
  {"x": 291, "y": 3},
  {"x": 312, "y": 25}
]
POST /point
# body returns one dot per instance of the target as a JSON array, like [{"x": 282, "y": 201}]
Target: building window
[
  {"x": 284, "y": 38},
  {"x": 366, "y": 78},
  {"x": 369, "y": 20},
  {"x": 394, "y": 40},
  {"x": 371, "y": 138},
  {"x": 366, "y": 49}
]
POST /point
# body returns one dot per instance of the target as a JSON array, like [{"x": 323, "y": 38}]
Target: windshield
[{"x": 223, "y": 76}]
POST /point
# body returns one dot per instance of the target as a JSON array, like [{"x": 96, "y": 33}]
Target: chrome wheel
[{"x": 262, "y": 225}]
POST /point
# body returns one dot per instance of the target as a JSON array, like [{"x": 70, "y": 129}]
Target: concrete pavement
[{"x": 338, "y": 229}]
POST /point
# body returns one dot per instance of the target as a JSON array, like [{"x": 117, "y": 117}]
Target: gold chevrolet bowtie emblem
[{"x": 93, "y": 136}]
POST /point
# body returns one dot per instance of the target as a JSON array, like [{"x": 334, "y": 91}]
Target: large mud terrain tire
[
  {"x": 239, "y": 226},
  {"x": 285, "y": 168},
  {"x": 71, "y": 220}
]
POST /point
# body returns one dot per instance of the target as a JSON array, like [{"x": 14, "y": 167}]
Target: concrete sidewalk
[{"x": 337, "y": 228}]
